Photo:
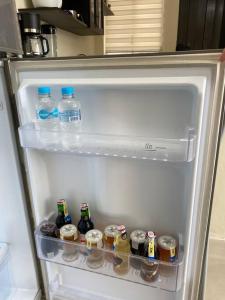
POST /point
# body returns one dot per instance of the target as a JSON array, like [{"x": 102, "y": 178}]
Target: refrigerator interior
[
  {"x": 16, "y": 250},
  {"x": 122, "y": 184}
]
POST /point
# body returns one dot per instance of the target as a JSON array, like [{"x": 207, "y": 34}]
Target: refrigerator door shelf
[
  {"x": 60, "y": 291},
  {"x": 158, "y": 274},
  {"x": 81, "y": 143}
]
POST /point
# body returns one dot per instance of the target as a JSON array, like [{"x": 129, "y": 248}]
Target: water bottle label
[
  {"x": 43, "y": 114},
  {"x": 70, "y": 116}
]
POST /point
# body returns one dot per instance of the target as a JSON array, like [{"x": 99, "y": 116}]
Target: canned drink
[{"x": 167, "y": 248}]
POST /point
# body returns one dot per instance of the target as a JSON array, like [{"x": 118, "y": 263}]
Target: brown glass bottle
[{"x": 85, "y": 224}]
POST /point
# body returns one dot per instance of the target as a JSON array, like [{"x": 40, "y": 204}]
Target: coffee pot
[{"x": 34, "y": 44}]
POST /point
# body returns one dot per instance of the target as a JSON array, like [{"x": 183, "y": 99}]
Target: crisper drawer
[{"x": 158, "y": 274}]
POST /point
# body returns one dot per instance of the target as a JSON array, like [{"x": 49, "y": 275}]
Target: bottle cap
[
  {"x": 68, "y": 90},
  {"x": 151, "y": 234},
  {"x": 121, "y": 229},
  {"x": 43, "y": 90},
  {"x": 83, "y": 205}
]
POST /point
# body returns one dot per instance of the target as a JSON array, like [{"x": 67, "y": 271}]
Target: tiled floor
[{"x": 215, "y": 283}]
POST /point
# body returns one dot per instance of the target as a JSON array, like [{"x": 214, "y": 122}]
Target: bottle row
[
  {"x": 119, "y": 248},
  {"x": 52, "y": 114}
]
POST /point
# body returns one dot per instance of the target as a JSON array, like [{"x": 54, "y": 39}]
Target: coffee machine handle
[{"x": 45, "y": 48}]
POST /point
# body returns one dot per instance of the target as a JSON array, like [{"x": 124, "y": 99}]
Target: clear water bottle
[
  {"x": 70, "y": 118},
  {"x": 69, "y": 110},
  {"x": 46, "y": 110}
]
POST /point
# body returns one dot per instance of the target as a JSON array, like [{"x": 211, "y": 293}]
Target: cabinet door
[{"x": 10, "y": 40}]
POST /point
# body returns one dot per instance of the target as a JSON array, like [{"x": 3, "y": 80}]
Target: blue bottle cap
[
  {"x": 43, "y": 90},
  {"x": 69, "y": 90}
]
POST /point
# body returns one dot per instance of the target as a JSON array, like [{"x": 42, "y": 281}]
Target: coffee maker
[{"x": 34, "y": 44}]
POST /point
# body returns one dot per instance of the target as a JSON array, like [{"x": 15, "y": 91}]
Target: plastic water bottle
[
  {"x": 69, "y": 110},
  {"x": 47, "y": 122},
  {"x": 70, "y": 118},
  {"x": 46, "y": 110}
]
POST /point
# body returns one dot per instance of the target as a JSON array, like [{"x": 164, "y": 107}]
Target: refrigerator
[{"x": 145, "y": 157}]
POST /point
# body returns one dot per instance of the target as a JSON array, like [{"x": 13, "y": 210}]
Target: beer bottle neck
[
  {"x": 60, "y": 209},
  {"x": 85, "y": 214}
]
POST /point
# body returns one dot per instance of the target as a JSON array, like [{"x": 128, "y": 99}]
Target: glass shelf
[
  {"x": 159, "y": 274},
  {"x": 136, "y": 147}
]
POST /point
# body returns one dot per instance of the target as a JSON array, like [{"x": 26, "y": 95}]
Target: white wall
[
  {"x": 217, "y": 226},
  {"x": 70, "y": 44},
  {"x": 171, "y": 11}
]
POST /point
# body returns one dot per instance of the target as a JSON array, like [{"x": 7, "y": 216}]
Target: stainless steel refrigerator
[{"x": 145, "y": 157}]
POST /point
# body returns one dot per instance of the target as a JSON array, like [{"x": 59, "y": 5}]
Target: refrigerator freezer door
[
  {"x": 193, "y": 85},
  {"x": 14, "y": 228},
  {"x": 10, "y": 41}
]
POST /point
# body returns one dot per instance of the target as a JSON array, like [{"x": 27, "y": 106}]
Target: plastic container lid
[
  {"x": 138, "y": 236},
  {"x": 111, "y": 230},
  {"x": 68, "y": 231},
  {"x": 167, "y": 242},
  {"x": 48, "y": 229},
  {"x": 93, "y": 236},
  {"x": 43, "y": 90},
  {"x": 68, "y": 90}
]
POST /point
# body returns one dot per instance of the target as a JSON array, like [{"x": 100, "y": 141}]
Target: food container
[
  {"x": 137, "y": 246},
  {"x": 110, "y": 233},
  {"x": 95, "y": 258},
  {"x": 48, "y": 247},
  {"x": 69, "y": 233},
  {"x": 167, "y": 248}
]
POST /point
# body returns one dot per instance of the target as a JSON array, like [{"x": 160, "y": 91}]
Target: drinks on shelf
[
  {"x": 137, "y": 245},
  {"x": 46, "y": 110},
  {"x": 122, "y": 251},
  {"x": 69, "y": 110},
  {"x": 150, "y": 267},
  {"x": 69, "y": 233},
  {"x": 167, "y": 248},
  {"x": 85, "y": 224},
  {"x": 49, "y": 248},
  {"x": 63, "y": 217},
  {"x": 150, "y": 256},
  {"x": 95, "y": 256},
  {"x": 110, "y": 233}
]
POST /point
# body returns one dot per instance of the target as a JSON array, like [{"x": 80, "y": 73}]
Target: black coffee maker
[{"x": 34, "y": 44}]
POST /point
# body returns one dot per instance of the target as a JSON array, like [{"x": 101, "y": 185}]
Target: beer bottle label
[
  {"x": 172, "y": 254},
  {"x": 151, "y": 248}
]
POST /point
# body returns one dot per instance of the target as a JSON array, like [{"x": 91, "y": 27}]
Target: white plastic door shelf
[
  {"x": 169, "y": 274},
  {"x": 162, "y": 149}
]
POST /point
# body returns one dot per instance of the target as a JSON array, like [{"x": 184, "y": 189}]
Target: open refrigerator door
[
  {"x": 145, "y": 157},
  {"x": 18, "y": 277}
]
